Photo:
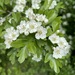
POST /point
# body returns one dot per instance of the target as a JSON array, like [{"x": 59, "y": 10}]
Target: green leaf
[
  {"x": 7, "y": 1},
  {"x": 47, "y": 58},
  {"x": 59, "y": 63},
  {"x": 51, "y": 15},
  {"x": 46, "y": 5},
  {"x": 12, "y": 55},
  {"x": 49, "y": 31},
  {"x": 12, "y": 58},
  {"x": 13, "y": 23},
  {"x": 1, "y": 3},
  {"x": 18, "y": 43},
  {"x": 31, "y": 47},
  {"x": 2, "y": 34},
  {"x": 40, "y": 42},
  {"x": 16, "y": 16},
  {"x": 56, "y": 24},
  {"x": 22, "y": 54},
  {"x": 1, "y": 28},
  {"x": 1, "y": 40},
  {"x": 6, "y": 24},
  {"x": 48, "y": 47},
  {"x": 54, "y": 64},
  {"x": 2, "y": 46},
  {"x": 59, "y": 6}
]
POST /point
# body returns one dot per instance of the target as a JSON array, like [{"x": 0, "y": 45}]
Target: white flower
[
  {"x": 41, "y": 33},
  {"x": 33, "y": 25},
  {"x": 41, "y": 17},
  {"x": 30, "y": 14},
  {"x": 9, "y": 30},
  {"x": 8, "y": 43},
  {"x": 58, "y": 52},
  {"x": 23, "y": 28},
  {"x": 54, "y": 38},
  {"x": 21, "y": 2},
  {"x": 11, "y": 34},
  {"x": 66, "y": 50},
  {"x": 36, "y": 4},
  {"x": 36, "y": 58},
  {"x": 62, "y": 42},
  {"x": 1, "y": 20},
  {"x": 18, "y": 8},
  {"x": 63, "y": 47},
  {"x": 54, "y": 3}
]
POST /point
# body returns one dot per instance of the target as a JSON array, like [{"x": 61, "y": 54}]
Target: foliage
[
  {"x": 18, "y": 56},
  {"x": 68, "y": 24}
]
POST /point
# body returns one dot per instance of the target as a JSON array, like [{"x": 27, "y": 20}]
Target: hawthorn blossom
[
  {"x": 62, "y": 42},
  {"x": 30, "y": 14},
  {"x": 33, "y": 25},
  {"x": 8, "y": 43},
  {"x": 21, "y": 2},
  {"x": 41, "y": 18},
  {"x": 41, "y": 33},
  {"x": 36, "y": 4},
  {"x": 23, "y": 28},
  {"x": 18, "y": 8},
  {"x": 62, "y": 48},
  {"x": 10, "y": 35},
  {"x": 66, "y": 49},
  {"x": 54, "y": 38},
  {"x": 58, "y": 52}
]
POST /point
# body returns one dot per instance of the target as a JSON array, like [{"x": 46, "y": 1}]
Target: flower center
[
  {"x": 40, "y": 32},
  {"x": 58, "y": 51},
  {"x": 31, "y": 26}
]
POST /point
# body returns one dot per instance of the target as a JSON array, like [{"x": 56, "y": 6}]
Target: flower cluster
[
  {"x": 30, "y": 30},
  {"x": 20, "y": 4},
  {"x": 33, "y": 25},
  {"x": 36, "y": 4},
  {"x": 38, "y": 17},
  {"x": 63, "y": 47},
  {"x": 11, "y": 34}
]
